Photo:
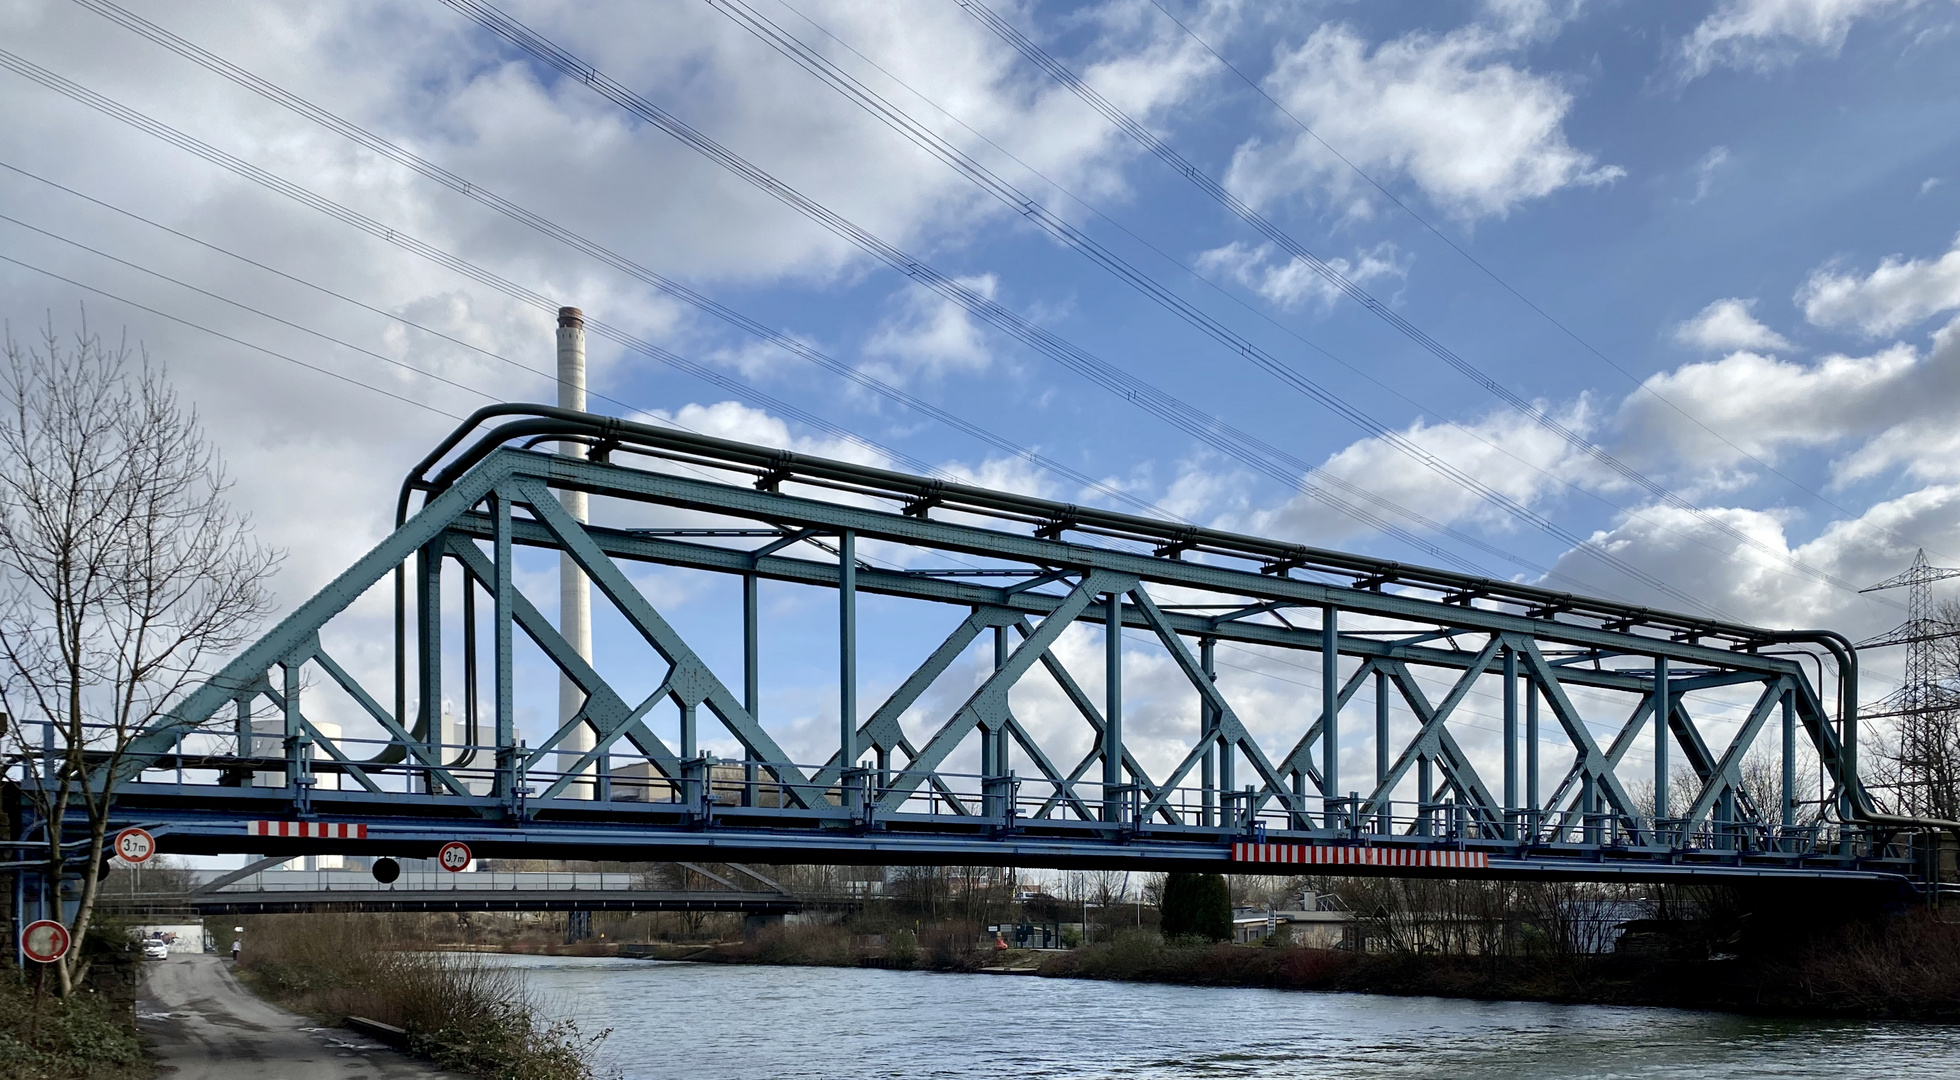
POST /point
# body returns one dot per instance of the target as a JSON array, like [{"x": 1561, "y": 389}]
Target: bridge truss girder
[{"x": 881, "y": 789}]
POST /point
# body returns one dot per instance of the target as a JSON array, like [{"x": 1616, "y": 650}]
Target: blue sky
[{"x": 1748, "y": 208}]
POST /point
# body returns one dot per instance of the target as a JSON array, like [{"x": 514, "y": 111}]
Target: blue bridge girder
[{"x": 1402, "y": 646}]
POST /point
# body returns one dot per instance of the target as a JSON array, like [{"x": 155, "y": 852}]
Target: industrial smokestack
[{"x": 574, "y": 591}]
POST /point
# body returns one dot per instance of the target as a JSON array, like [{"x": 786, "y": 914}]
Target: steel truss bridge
[
  {"x": 1604, "y": 699},
  {"x": 283, "y": 891}
]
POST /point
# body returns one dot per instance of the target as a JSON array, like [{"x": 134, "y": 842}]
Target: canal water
[{"x": 724, "y": 1022}]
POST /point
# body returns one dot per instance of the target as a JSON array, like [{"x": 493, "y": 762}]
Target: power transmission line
[
  {"x": 1640, "y": 385},
  {"x": 1012, "y": 197},
  {"x": 1233, "y": 443},
  {"x": 1631, "y": 513},
  {"x": 107, "y": 295},
  {"x": 1189, "y": 419},
  {"x": 1285, "y": 241}
]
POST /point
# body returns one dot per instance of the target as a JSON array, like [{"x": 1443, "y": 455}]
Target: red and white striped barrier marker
[
  {"x": 1333, "y": 855},
  {"x": 313, "y": 830}
]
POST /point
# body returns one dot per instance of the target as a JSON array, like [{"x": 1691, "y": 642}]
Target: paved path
[{"x": 204, "y": 1026}]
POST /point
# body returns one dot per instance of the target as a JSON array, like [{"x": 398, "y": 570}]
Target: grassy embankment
[
  {"x": 89, "y": 1036},
  {"x": 1905, "y": 968},
  {"x": 1902, "y": 968},
  {"x": 458, "y": 1011}
]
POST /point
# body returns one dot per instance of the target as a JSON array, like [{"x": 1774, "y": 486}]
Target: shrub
[
  {"x": 83, "y": 1035},
  {"x": 458, "y": 1011},
  {"x": 1197, "y": 906}
]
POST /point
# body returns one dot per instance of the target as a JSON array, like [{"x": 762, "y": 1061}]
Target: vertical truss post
[
  {"x": 428, "y": 631},
  {"x": 993, "y": 745},
  {"x": 1531, "y": 744},
  {"x": 294, "y": 725},
  {"x": 1386, "y": 816},
  {"x": 1588, "y": 808},
  {"x": 467, "y": 749},
  {"x": 1113, "y": 708},
  {"x": 506, "y": 782},
  {"x": 1662, "y": 709},
  {"x": 1330, "y": 712},
  {"x": 1510, "y": 743},
  {"x": 751, "y": 680},
  {"x": 691, "y": 764},
  {"x": 1424, "y": 793},
  {"x": 1208, "y": 731},
  {"x": 242, "y": 724},
  {"x": 847, "y": 748},
  {"x": 1789, "y": 759},
  {"x": 1227, "y": 751}
]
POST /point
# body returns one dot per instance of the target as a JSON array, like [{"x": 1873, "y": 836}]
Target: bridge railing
[{"x": 340, "y": 770}]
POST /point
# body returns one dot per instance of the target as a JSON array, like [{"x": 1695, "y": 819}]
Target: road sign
[
  {"x": 454, "y": 856},
  {"x": 135, "y": 845},
  {"x": 45, "y": 941}
]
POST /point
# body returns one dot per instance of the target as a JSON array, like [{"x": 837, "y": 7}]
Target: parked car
[{"x": 156, "y": 949}]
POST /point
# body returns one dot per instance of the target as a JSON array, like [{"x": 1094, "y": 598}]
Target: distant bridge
[
  {"x": 284, "y": 891},
  {"x": 290, "y": 732}
]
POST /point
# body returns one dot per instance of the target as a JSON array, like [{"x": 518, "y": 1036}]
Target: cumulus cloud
[
  {"x": 1292, "y": 284},
  {"x": 1477, "y": 134},
  {"x": 931, "y": 336},
  {"x": 1763, "y": 406},
  {"x": 1899, "y": 293},
  {"x": 1505, "y": 451},
  {"x": 1760, "y": 35},
  {"x": 1728, "y": 324}
]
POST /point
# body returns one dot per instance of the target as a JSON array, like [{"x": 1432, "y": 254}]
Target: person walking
[{"x": 236, "y": 945}]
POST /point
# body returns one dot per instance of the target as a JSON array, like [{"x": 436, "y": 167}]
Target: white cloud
[
  {"x": 1705, "y": 170},
  {"x": 1290, "y": 283},
  {"x": 1763, "y": 405},
  {"x": 441, "y": 88},
  {"x": 1728, "y": 324},
  {"x": 1760, "y": 35},
  {"x": 1505, "y": 451},
  {"x": 1529, "y": 20},
  {"x": 931, "y": 336},
  {"x": 1930, "y": 183},
  {"x": 1478, "y": 135},
  {"x": 1898, "y": 294}
]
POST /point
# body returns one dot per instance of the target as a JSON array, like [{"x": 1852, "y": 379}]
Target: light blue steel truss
[{"x": 1403, "y": 645}]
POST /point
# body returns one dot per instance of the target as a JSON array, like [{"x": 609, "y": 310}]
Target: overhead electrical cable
[
  {"x": 1246, "y": 449},
  {"x": 1630, "y": 513},
  {"x": 354, "y": 132},
  {"x": 1640, "y": 385},
  {"x": 546, "y": 51},
  {"x": 987, "y": 180},
  {"x": 328, "y": 372},
  {"x": 1285, "y": 242}
]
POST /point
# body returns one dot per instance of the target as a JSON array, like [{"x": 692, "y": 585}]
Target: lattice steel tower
[{"x": 1923, "y": 705}]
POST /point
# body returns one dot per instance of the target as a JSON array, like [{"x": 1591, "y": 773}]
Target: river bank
[
  {"x": 738, "y": 1021},
  {"x": 450, "y": 1008},
  {"x": 1906, "y": 969}
]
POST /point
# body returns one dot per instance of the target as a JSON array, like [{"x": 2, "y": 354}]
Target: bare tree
[{"x": 124, "y": 574}]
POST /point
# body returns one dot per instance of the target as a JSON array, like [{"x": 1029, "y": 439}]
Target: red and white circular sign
[
  {"x": 135, "y": 845},
  {"x": 454, "y": 856},
  {"x": 45, "y": 941}
]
